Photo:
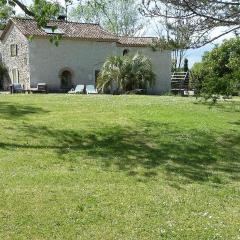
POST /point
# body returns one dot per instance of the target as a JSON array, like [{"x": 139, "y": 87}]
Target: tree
[
  {"x": 206, "y": 15},
  {"x": 41, "y": 10},
  {"x": 177, "y": 35},
  {"x": 126, "y": 73},
  {"x": 219, "y": 70},
  {"x": 6, "y": 11},
  {"x": 120, "y": 17},
  {"x": 197, "y": 75}
]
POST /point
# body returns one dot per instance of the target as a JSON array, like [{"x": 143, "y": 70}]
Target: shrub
[
  {"x": 3, "y": 74},
  {"x": 126, "y": 73},
  {"x": 218, "y": 73}
]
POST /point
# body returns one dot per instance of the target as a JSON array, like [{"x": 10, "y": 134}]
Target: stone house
[{"x": 31, "y": 58}]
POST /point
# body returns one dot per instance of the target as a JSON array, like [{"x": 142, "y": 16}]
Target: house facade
[{"x": 31, "y": 58}]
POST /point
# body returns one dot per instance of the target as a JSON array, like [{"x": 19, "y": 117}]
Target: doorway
[{"x": 66, "y": 80}]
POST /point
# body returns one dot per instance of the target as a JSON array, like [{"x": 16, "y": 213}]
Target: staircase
[{"x": 179, "y": 82}]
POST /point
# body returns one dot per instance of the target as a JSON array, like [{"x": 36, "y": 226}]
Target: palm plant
[
  {"x": 143, "y": 76},
  {"x": 126, "y": 73},
  {"x": 110, "y": 74}
]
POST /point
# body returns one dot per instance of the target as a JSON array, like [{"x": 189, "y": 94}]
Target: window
[
  {"x": 97, "y": 72},
  {"x": 52, "y": 30},
  {"x": 125, "y": 52},
  {"x": 66, "y": 80},
  {"x": 14, "y": 50},
  {"x": 15, "y": 75}
]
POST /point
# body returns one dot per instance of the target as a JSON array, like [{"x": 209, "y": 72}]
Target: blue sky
[{"x": 195, "y": 55}]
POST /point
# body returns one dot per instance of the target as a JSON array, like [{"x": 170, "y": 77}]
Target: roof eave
[
  {"x": 73, "y": 38},
  {"x": 133, "y": 45}
]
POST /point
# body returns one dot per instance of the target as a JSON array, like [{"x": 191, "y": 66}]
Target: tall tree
[
  {"x": 206, "y": 15},
  {"x": 120, "y": 17},
  {"x": 177, "y": 34},
  {"x": 218, "y": 73}
]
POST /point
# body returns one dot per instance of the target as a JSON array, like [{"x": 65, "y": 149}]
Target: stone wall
[{"x": 19, "y": 62}]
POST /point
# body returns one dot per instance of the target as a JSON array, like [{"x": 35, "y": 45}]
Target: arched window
[
  {"x": 66, "y": 79},
  {"x": 125, "y": 52}
]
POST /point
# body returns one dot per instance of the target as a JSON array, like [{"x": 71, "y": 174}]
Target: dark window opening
[
  {"x": 97, "y": 72},
  {"x": 66, "y": 80},
  {"x": 125, "y": 52}
]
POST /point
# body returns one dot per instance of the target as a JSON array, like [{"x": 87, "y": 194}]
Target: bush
[
  {"x": 218, "y": 73},
  {"x": 3, "y": 74},
  {"x": 126, "y": 73}
]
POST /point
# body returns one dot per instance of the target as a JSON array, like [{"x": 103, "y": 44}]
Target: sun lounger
[
  {"x": 90, "y": 89},
  {"x": 41, "y": 88},
  {"x": 78, "y": 89}
]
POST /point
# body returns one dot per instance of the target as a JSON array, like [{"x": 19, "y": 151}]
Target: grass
[{"x": 118, "y": 167}]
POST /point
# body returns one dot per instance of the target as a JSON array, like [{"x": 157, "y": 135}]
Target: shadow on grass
[
  {"x": 237, "y": 123},
  {"x": 11, "y": 111},
  {"x": 225, "y": 106},
  {"x": 194, "y": 156}
]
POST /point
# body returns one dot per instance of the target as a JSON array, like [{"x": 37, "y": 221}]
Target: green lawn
[{"x": 118, "y": 167}]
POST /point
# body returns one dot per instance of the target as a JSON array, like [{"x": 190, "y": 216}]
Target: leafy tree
[
  {"x": 197, "y": 75},
  {"x": 206, "y": 15},
  {"x": 44, "y": 11},
  {"x": 125, "y": 73},
  {"x": 6, "y": 11},
  {"x": 120, "y": 17},
  {"x": 219, "y": 71},
  {"x": 41, "y": 10}
]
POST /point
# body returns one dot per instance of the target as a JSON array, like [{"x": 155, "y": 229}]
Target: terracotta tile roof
[
  {"x": 69, "y": 29},
  {"x": 85, "y": 31},
  {"x": 136, "y": 41}
]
